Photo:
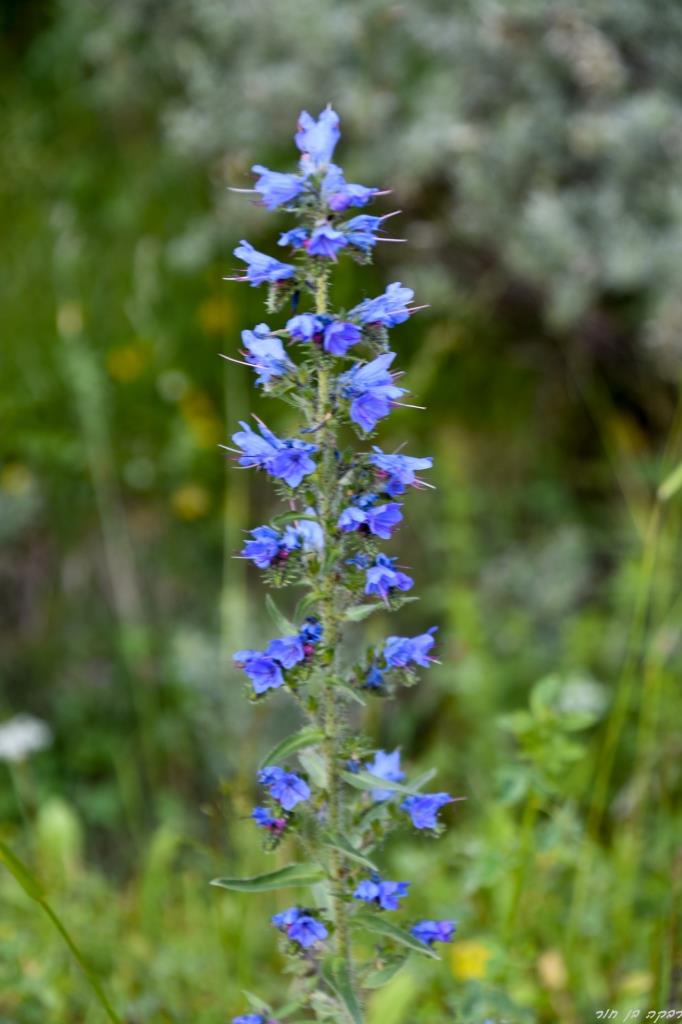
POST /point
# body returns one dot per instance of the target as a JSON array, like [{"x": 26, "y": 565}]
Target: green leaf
[
  {"x": 304, "y": 606},
  {"x": 378, "y": 924},
  {"x": 307, "y": 737},
  {"x": 340, "y": 843},
  {"x": 361, "y": 611},
  {"x": 358, "y": 612},
  {"x": 349, "y": 692},
  {"x": 26, "y": 880},
  {"x": 255, "y": 1001},
  {"x": 315, "y": 766},
  {"x": 671, "y": 484},
  {"x": 33, "y": 889},
  {"x": 291, "y": 876},
  {"x": 283, "y": 624},
  {"x": 364, "y": 780},
  {"x": 335, "y": 973},
  {"x": 292, "y": 517}
]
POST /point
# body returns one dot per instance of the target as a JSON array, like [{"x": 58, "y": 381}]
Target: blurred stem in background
[{"x": 84, "y": 379}]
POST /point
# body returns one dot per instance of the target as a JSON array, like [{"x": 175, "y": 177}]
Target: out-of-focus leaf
[
  {"x": 307, "y": 737},
  {"x": 292, "y": 876},
  {"x": 378, "y": 924},
  {"x": 335, "y": 973}
]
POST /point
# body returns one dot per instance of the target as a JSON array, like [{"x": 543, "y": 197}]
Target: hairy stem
[{"x": 331, "y": 632}]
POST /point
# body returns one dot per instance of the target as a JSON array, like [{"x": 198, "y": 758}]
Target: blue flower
[
  {"x": 311, "y": 630},
  {"x": 287, "y": 460},
  {"x": 399, "y": 651},
  {"x": 361, "y": 231},
  {"x": 306, "y": 326},
  {"x": 309, "y": 532},
  {"x": 388, "y": 309},
  {"x": 300, "y": 926},
  {"x": 249, "y": 1018},
  {"x": 287, "y": 650},
  {"x": 277, "y": 188},
  {"x": 317, "y": 139},
  {"x": 385, "y": 894},
  {"x": 385, "y": 766},
  {"x": 257, "y": 450},
  {"x": 295, "y": 238},
  {"x": 326, "y": 241},
  {"x": 286, "y": 917},
  {"x": 374, "y": 679},
  {"x": 339, "y": 194},
  {"x": 381, "y": 578},
  {"x": 371, "y": 391},
  {"x": 429, "y": 932},
  {"x": 260, "y": 267},
  {"x": 377, "y": 519},
  {"x": 293, "y": 463},
  {"x": 307, "y": 931},
  {"x": 339, "y": 336},
  {"x": 424, "y": 809},
  {"x": 263, "y": 671},
  {"x": 269, "y": 545},
  {"x": 263, "y": 818},
  {"x": 399, "y": 470},
  {"x": 265, "y": 353},
  {"x": 287, "y": 788}
]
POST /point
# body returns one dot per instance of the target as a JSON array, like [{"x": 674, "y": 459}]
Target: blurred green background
[{"x": 534, "y": 148}]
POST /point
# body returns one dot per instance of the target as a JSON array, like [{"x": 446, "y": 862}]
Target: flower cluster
[
  {"x": 267, "y": 669},
  {"x": 337, "y": 370}
]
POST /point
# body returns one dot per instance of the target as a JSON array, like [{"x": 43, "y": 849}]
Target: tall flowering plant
[{"x": 325, "y": 790}]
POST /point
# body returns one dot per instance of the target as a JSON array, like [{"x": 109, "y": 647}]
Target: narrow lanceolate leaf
[
  {"x": 671, "y": 484},
  {"x": 284, "y": 625},
  {"x": 33, "y": 889},
  {"x": 359, "y": 612},
  {"x": 308, "y": 737},
  {"x": 335, "y": 973},
  {"x": 314, "y": 765},
  {"x": 364, "y": 780},
  {"x": 292, "y": 876},
  {"x": 340, "y": 843},
  {"x": 26, "y": 880},
  {"x": 349, "y": 692},
  {"x": 378, "y": 925},
  {"x": 255, "y": 1001}
]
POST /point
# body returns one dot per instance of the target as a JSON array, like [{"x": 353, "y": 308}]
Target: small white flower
[{"x": 22, "y": 736}]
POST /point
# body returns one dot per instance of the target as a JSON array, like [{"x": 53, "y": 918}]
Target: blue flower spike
[{"x": 335, "y": 368}]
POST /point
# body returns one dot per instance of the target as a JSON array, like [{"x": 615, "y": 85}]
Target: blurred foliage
[{"x": 534, "y": 149}]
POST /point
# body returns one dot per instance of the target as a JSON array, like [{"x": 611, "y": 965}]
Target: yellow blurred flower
[
  {"x": 552, "y": 969},
  {"x": 199, "y": 414},
  {"x": 191, "y": 501},
  {"x": 126, "y": 362},
  {"x": 469, "y": 959},
  {"x": 70, "y": 318},
  {"x": 216, "y": 314},
  {"x": 636, "y": 983},
  {"x": 16, "y": 479}
]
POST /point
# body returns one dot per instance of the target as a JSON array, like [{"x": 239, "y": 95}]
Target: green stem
[{"x": 331, "y": 633}]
